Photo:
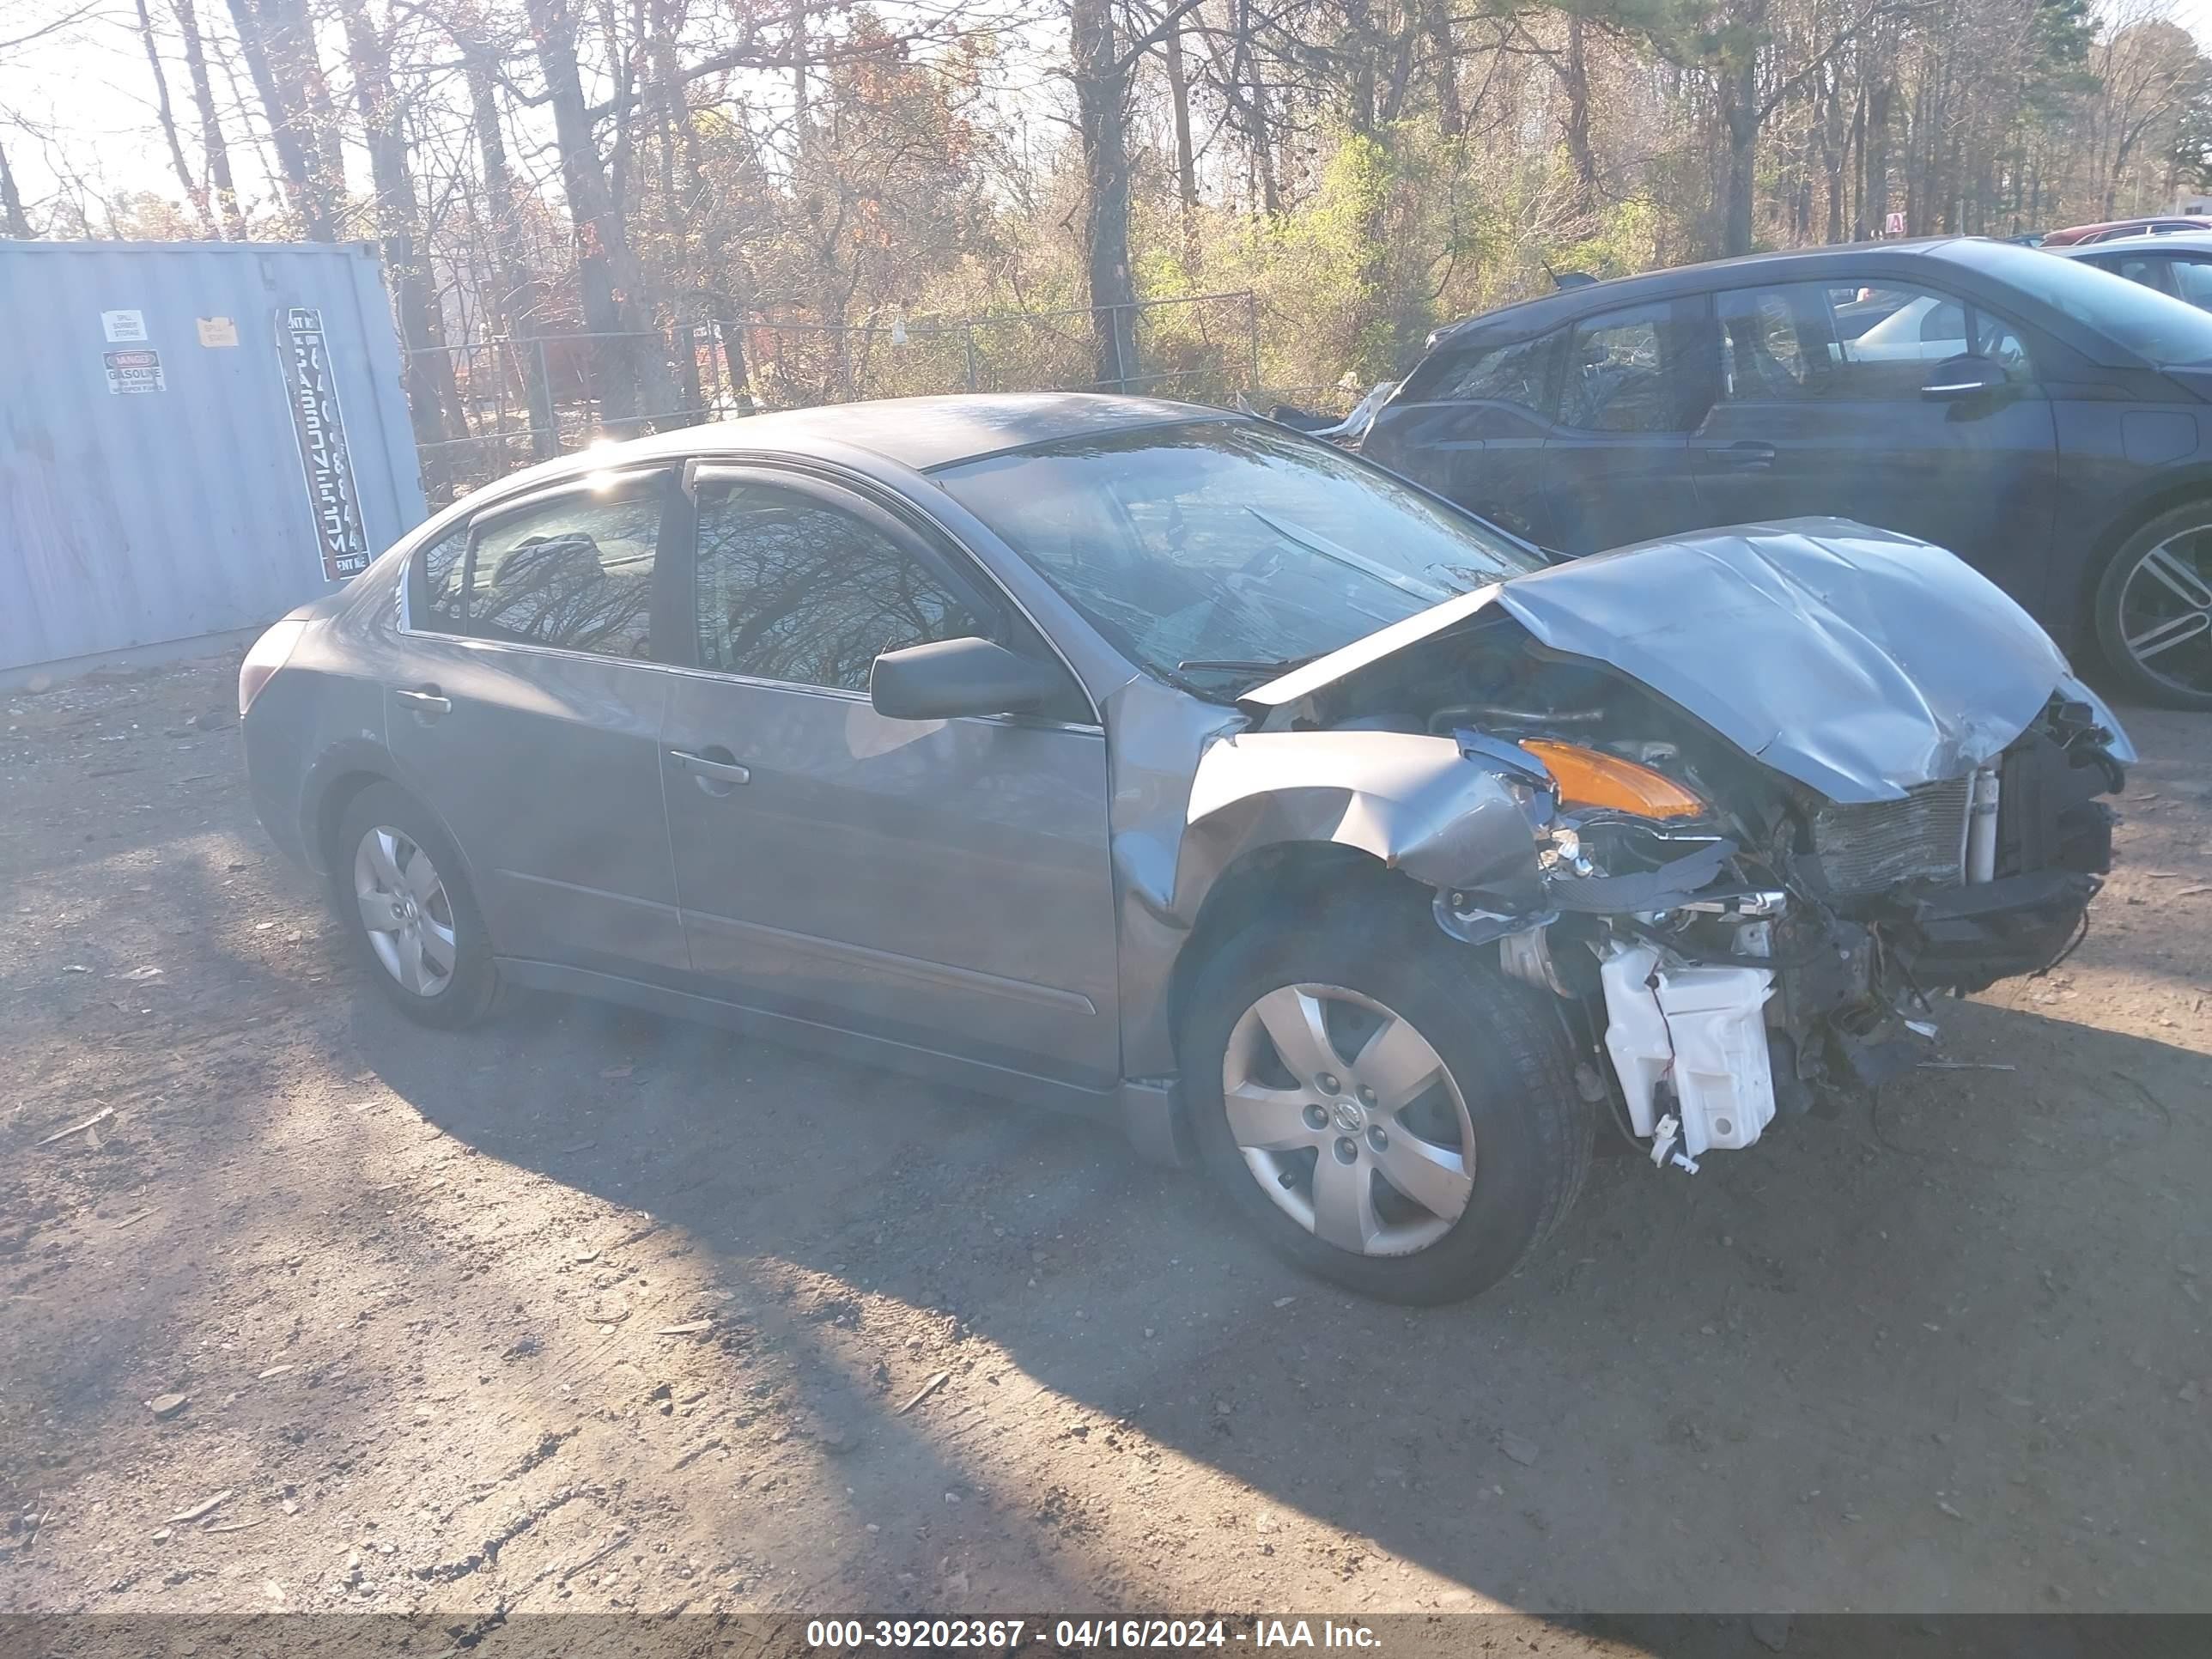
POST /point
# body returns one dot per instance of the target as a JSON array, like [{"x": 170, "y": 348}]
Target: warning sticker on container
[
  {"x": 320, "y": 429},
  {"x": 133, "y": 371},
  {"x": 122, "y": 327},
  {"x": 217, "y": 332}
]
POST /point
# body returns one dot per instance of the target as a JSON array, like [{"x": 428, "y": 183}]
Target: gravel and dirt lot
[{"x": 590, "y": 1310}]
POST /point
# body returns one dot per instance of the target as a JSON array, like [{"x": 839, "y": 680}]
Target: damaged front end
[{"x": 1746, "y": 804}]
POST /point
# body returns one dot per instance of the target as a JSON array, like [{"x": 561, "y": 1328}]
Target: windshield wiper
[{"x": 1241, "y": 665}]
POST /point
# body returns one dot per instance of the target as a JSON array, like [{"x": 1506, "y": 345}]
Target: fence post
[
  {"x": 545, "y": 410},
  {"x": 1252, "y": 323},
  {"x": 968, "y": 332},
  {"x": 500, "y": 412},
  {"x": 684, "y": 337}
]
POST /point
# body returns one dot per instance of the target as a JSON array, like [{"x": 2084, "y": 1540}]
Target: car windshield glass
[
  {"x": 1213, "y": 552},
  {"x": 2152, "y": 326}
]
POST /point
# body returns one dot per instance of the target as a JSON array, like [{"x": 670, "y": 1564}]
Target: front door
[
  {"x": 526, "y": 708},
  {"x": 1808, "y": 422},
  {"x": 941, "y": 884},
  {"x": 1616, "y": 466}
]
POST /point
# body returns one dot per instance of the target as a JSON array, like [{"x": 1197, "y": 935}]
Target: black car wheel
[
  {"x": 1391, "y": 1114},
  {"x": 396, "y": 878},
  {"x": 2155, "y": 609}
]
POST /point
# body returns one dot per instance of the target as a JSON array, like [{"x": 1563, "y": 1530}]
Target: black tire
[
  {"x": 471, "y": 990},
  {"x": 2183, "y": 678},
  {"x": 1500, "y": 1044}
]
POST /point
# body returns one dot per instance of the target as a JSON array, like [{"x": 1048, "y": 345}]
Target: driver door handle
[
  {"x": 425, "y": 702},
  {"x": 699, "y": 766}
]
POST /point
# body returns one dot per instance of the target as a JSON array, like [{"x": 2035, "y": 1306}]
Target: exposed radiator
[{"x": 1866, "y": 847}]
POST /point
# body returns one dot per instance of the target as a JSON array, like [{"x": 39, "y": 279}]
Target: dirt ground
[{"x": 590, "y": 1310}]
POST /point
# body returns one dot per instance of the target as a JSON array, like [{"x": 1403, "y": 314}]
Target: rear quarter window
[
  {"x": 1524, "y": 373},
  {"x": 435, "y": 599}
]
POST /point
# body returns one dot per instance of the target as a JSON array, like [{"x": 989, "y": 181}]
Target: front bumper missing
[
  {"x": 1967, "y": 938},
  {"x": 1703, "y": 1051}
]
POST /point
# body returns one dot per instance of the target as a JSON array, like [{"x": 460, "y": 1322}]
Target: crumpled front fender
[{"x": 1413, "y": 802}]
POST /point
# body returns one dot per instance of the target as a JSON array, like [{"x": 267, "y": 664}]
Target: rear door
[
  {"x": 1808, "y": 423},
  {"x": 1616, "y": 466},
  {"x": 527, "y": 709},
  {"x": 941, "y": 884}
]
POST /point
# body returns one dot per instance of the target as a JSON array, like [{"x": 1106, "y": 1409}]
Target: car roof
[
  {"x": 2168, "y": 239},
  {"x": 1795, "y": 264},
  {"x": 2137, "y": 219},
  {"x": 917, "y": 433}
]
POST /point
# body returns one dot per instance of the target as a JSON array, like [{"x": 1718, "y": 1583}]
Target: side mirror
[
  {"x": 1957, "y": 379},
  {"x": 952, "y": 677}
]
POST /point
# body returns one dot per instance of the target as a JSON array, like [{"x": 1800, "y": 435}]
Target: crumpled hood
[{"x": 1857, "y": 661}]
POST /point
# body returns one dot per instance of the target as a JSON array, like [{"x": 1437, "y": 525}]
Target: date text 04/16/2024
[{"x": 1083, "y": 1635}]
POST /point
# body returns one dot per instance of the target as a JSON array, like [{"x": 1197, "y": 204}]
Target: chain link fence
[{"x": 508, "y": 402}]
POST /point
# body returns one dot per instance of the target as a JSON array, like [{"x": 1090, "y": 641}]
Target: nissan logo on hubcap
[{"x": 1349, "y": 1117}]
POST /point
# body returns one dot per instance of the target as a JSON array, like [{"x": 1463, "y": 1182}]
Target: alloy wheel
[
  {"x": 406, "y": 910},
  {"x": 2165, "y": 611},
  {"x": 1348, "y": 1118}
]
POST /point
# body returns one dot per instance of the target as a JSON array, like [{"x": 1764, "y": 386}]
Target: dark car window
[
  {"x": 1630, "y": 371},
  {"x": 791, "y": 589},
  {"x": 574, "y": 573},
  {"x": 1520, "y": 372},
  {"x": 2000, "y": 342},
  {"x": 2192, "y": 280},
  {"x": 1921, "y": 328},
  {"x": 1850, "y": 342},
  {"x": 436, "y": 603},
  {"x": 1776, "y": 343},
  {"x": 2149, "y": 270},
  {"x": 1228, "y": 541},
  {"x": 1945, "y": 324},
  {"x": 2153, "y": 326}
]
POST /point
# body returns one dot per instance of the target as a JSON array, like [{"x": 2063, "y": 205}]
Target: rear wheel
[
  {"x": 396, "y": 881},
  {"x": 1392, "y": 1114},
  {"x": 2155, "y": 609}
]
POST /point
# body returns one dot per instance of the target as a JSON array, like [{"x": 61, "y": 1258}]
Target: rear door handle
[
  {"x": 425, "y": 702},
  {"x": 704, "y": 766},
  {"x": 1747, "y": 457}
]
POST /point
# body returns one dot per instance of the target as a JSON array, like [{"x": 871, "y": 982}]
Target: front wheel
[
  {"x": 1389, "y": 1112},
  {"x": 2155, "y": 609}
]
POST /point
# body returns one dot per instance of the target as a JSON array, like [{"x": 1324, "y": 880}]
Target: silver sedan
[{"x": 1166, "y": 764}]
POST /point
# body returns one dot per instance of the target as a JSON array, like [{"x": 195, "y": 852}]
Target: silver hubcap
[
  {"x": 1348, "y": 1119},
  {"x": 2165, "y": 611},
  {"x": 406, "y": 910}
]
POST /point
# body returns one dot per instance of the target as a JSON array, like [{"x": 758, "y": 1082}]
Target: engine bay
[{"x": 1727, "y": 942}]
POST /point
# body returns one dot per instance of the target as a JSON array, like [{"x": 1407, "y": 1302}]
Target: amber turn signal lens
[{"x": 1588, "y": 778}]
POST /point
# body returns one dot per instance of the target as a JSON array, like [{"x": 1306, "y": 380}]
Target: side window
[
  {"x": 2192, "y": 280},
  {"x": 2000, "y": 342},
  {"x": 1777, "y": 342},
  {"x": 434, "y": 601},
  {"x": 1911, "y": 329},
  {"x": 1518, "y": 373},
  {"x": 1944, "y": 324},
  {"x": 575, "y": 572},
  {"x": 2151, "y": 272},
  {"x": 791, "y": 589},
  {"x": 1631, "y": 371}
]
